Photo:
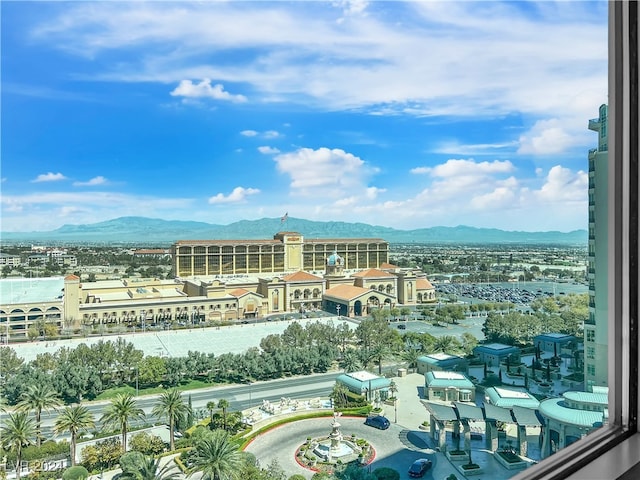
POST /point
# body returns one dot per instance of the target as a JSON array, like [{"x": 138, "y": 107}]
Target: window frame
[{"x": 612, "y": 450}]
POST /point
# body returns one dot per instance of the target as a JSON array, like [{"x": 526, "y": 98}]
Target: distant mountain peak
[{"x": 146, "y": 231}]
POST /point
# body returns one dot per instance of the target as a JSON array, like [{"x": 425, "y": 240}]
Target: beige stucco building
[{"x": 349, "y": 285}]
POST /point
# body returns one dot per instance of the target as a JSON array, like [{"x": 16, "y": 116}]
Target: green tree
[
  {"x": 217, "y": 457},
  {"x": 211, "y": 406},
  {"x": 446, "y": 344},
  {"x": 223, "y": 404},
  {"x": 469, "y": 342},
  {"x": 39, "y": 397},
  {"x": 10, "y": 362},
  {"x": 151, "y": 468},
  {"x": 17, "y": 432},
  {"x": 146, "y": 444},
  {"x": 74, "y": 419},
  {"x": 151, "y": 370},
  {"x": 350, "y": 361},
  {"x": 123, "y": 408},
  {"x": 103, "y": 455},
  {"x": 75, "y": 472},
  {"x": 170, "y": 406}
]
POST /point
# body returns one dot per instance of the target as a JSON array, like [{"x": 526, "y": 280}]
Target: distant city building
[
  {"x": 441, "y": 362},
  {"x": 233, "y": 297},
  {"x": 552, "y": 342},
  {"x": 11, "y": 260},
  {"x": 152, "y": 252},
  {"x": 595, "y": 328},
  {"x": 287, "y": 252},
  {"x": 494, "y": 353},
  {"x": 449, "y": 387}
]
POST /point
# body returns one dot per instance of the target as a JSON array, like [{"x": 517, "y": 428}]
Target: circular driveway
[{"x": 395, "y": 447}]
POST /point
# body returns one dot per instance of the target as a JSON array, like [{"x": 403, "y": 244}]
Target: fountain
[{"x": 334, "y": 449}]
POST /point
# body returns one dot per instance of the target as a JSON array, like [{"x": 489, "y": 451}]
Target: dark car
[
  {"x": 378, "y": 421},
  {"x": 419, "y": 467}
]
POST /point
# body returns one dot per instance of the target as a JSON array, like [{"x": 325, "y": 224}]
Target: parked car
[
  {"x": 419, "y": 467},
  {"x": 402, "y": 326},
  {"x": 378, "y": 421}
]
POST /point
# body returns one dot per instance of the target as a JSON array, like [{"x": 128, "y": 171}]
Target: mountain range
[{"x": 151, "y": 231}]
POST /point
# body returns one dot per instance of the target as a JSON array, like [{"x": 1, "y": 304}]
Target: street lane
[{"x": 240, "y": 397}]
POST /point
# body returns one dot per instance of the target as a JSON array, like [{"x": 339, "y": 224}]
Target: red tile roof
[
  {"x": 373, "y": 273},
  {"x": 301, "y": 276},
  {"x": 238, "y": 292},
  {"x": 423, "y": 284},
  {"x": 388, "y": 266},
  {"x": 347, "y": 292}
]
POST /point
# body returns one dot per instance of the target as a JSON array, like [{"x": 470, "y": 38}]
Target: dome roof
[{"x": 334, "y": 259}]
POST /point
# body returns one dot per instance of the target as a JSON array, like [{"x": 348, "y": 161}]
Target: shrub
[
  {"x": 146, "y": 444},
  {"x": 385, "y": 473},
  {"x": 49, "y": 449},
  {"x": 75, "y": 473},
  {"x": 297, "y": 476}
]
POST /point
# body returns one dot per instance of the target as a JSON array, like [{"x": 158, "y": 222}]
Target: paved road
[{"x": 240, "y": 397}]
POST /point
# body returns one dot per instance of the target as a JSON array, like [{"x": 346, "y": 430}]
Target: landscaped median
[
  {"x": 510, "y": 460},
  {"x": 282, "y": 419}
]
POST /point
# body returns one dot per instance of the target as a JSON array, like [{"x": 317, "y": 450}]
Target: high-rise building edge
[{"x": 595, "y": 328}]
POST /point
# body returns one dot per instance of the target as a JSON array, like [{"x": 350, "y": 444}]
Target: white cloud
[
  {"x": 503, "y": 64},
  {"x": 49, "y": 177},
  {"x": 456, "y": 148},
  {"x": 546, "y": 137},
  {"x": 455, "y": 167},
  {"x": 95, "y": 181},
  {"x": 324, "y": 171},
  {"x": 266, "y": 150},
  {"x": 44, "y": 211},
  {"x": 271, "y": 134},
  {"x": 466, "y": 192},
  {"x": 268, "y": 134},
  {"x": 239, "y": 194},
  {"x": 204, "y": 89},
  {"x": 563, "y": 185},
  {"x": 373, "y": 192}
]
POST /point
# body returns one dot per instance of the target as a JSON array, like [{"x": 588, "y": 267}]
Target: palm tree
[
  {"x": 223, "y": 404},
  {"x": 17, "y": 432},
  {"x": 350, "y": 361},
  {"x": 38, "y": 397},
  {"x": 379, "y": 352},
  {"x": 122, "y": 409},
  {"x": 217, "y": 457},
  {"x": 211, "y": 406},
  {"x": 150, "y": 469},
  {"x": 411, "y": 355},
  {"x": 444, "y": 343},
  {"x": 74, "y": 419},
  {"x": 171, "y": 406}
]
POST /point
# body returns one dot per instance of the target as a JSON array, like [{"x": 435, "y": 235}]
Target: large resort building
[
  {"x": 287, "y": 252},
  {"x": 225, "y": 281}
]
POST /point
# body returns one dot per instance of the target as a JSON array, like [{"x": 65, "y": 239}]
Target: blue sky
[{"x": 402, "y": 114}]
